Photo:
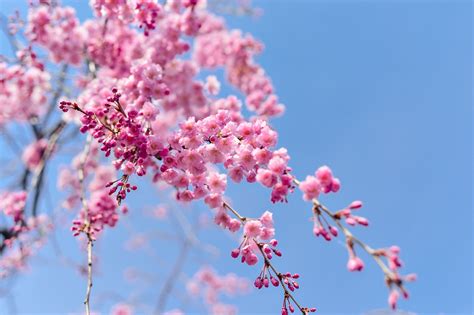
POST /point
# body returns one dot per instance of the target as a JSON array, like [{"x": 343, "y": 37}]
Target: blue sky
[{"x": 382, "y": 92}]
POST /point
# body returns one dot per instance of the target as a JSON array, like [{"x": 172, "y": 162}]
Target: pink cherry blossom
[{"x": 252, "y": 228}]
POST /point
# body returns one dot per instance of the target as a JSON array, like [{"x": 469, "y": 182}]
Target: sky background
[{"x": 381, "y": 91}]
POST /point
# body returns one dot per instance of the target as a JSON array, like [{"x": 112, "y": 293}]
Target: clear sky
[{"x": 382, "y": 92}]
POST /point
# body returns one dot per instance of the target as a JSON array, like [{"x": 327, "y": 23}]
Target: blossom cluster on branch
[{"x": 138, "y": 93}]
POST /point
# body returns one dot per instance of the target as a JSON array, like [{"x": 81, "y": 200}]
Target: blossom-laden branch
[
  {"x": 272, "y": 171},
  {"x": 263, "y": 228},
  {"x": 141, "y": 102}
]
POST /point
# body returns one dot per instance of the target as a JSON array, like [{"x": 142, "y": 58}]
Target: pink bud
[
  {"x": 327, "y": 236},
  {"x": 333, "y": 231},
  {"x": 266, "y": 282},
  {"x": 405, "y": 293},
  {"x": 351, "y": 221},
  {"x": 335, "y": 185},
  {"x": 393, "y": 298},
  {"x": 355, "y": 264},
  {"x": 345, "y": 212},
  {"x": 355, "y": 205},
  {"x": 274, "y": 281},
  {"x": 411, "y": 277},
  {"x": 395, "y": 249},
  {"x": 235, "y": 253},
  {"x": 362, "y": 221}
]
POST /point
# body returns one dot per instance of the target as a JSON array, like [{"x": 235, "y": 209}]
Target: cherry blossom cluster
[
  {"x": 256, "y": 231},
  {"x": 23, "y": 92},
  {"x": 219, "y": 47},
  {"x": 257, "y": 241},
  {"x": 27, "y": 241},
  {"x": 243, "y": 147},
  {"x": 23, "y": 236},
  {"x": 102, "y": 209},
  {"x": 57, "y": 29},
  {"x": 208, "y": 285},
  {"x": 12, "y": 204},
  {"x": 323, "y": 181},
  {"x": 33, "y": 153}
]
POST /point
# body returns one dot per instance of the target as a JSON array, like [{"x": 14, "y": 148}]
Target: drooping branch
[{"x": 269, "y": 264}]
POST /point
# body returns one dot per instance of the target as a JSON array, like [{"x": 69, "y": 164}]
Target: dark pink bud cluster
[
  {"x": 122, "y": 187},
  {"x": 65, "y": 106},
  {"x": 265, "y": 278},
  {"x": 119, "y": 131}
]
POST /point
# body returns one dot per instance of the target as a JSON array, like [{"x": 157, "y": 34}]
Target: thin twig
[{"x": 88, "y": 228}]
